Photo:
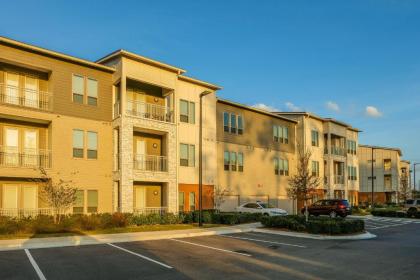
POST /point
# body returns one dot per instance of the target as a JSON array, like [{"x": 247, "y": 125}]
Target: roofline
[
  {"x": 312, "y": 115},
  {"x": 199, "y": 82},
  {"x": 140, "y": 58},
  {"x": 382, "y": 148},
  {"x": 54, "y": 54},
  {"x": 250, "y": 108},
  {"x": 406, "y": 161}
]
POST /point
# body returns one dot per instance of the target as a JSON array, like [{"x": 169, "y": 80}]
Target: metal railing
[
  {"x": 150, "y": 210},
  {"x": 31, "y": 158},
  {"x": 150, "y": 163},
  {"x": 339, "y": 151},
  {"x": 25, "y": 212},
  {"x": 338, "y": 179},
  {"x": 25, "y": 97},
  {"x": 149, "y": 111}
]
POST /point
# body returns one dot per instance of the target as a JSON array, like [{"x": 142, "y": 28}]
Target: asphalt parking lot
[{"x": 395, "y": 254}]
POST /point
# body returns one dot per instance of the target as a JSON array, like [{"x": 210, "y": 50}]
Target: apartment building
[
  {"x": 55, "y": 115},
  {"x": 155, "y": 124},
  {"x": 256, "y": 155},
  {"x": 333, "y": 145},
  {"x": 388, "y": 171}
]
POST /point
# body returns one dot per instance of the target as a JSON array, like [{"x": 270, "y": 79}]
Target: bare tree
[
  {"x": 404, "y": 190},
  {"x": 303, "y": 185},
  {"x": 59, "y": 194},
  {"x": 219, "y": 195}
]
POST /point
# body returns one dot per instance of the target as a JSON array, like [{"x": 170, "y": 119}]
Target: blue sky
[{"x": 283, "y": 54}]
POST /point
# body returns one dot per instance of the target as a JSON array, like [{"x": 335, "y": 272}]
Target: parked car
[
  {"x": 331, "y": 207},
  {"x": 260, "y": 207},
  {"x": 412, "y": 206}
]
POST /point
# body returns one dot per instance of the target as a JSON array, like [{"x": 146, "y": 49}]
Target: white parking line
[
  {"x": 139, "y": 255},
  {"x": 213, "y": 248},
  {"x": 264, "y": 241},
  {"x": 35, "y": 265}
]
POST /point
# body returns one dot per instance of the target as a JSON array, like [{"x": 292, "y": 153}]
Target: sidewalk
[{"x": 28, "y": 243}]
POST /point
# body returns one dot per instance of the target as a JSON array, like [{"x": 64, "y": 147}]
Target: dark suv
[{"x": 331, "y": 207}]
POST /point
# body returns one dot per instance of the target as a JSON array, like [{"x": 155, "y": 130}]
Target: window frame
[
  {"x": 88, "y": 207},
  {"x": 190, "y": 157},
  {"x": 240, "y": 159},
  {"x": 87, "y": 145},
  {"x": 82, "y": 148},
  {"x": 190, "y": 117},
  {"x": 226, "y": 161},
  {"x": 315, "y": 138},
  {"x": 81, "y": 205},
  {"x": 88, "y": 95},
  {"x": 190, "y": 200}
]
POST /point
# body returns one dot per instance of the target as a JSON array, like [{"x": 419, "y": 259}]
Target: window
[
  {"x": 240, "y": 125},
  {"x": 92, "y": 92},
  {"x": 233, "y": 161},
  {"x": 92, "y": 148},
  {"x": 78, "y": 143},
  {"x": 187, "y": 111},
  {"x": 315, "y": 168},
  {"x": 352, "y": 173},
  {"x": 281, "y": 167},
  {"x": 315, "y": 138},
  {"x": 280, "y": 134},
  {"x": 192, "y": 201},
  {"x": 187, "y": 155},
  {"x": 276, "y": 166},
  {"x": 285, "y": 139},
  {"x": 78, "y": 88},
  {"x": 79, "y": 203},
  {"x": 387, "y": 164},
  {"x": 351, "y": 147},
  {"x": 233, "y": 123},
  {"x": 276, "y": 133},
  {"x": 226, "y": 122},
  {"x": 240, "y": 162},
  {"x": 92, "y": 203},
  {"x": 251, "y": 205},
  {"x": 388, "y": 181},
  {"x": 181, "y": 201},
  {"x": 226, "y": 160}
]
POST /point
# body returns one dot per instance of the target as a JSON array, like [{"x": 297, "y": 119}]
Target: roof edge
[
  {"x": 199, "y": 82},
  {"x": 381, "y": 148}
]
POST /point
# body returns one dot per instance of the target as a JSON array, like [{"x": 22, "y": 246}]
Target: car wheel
[
  {"x": 412, "y": 211},
  {"x": 333, "y": 214}
]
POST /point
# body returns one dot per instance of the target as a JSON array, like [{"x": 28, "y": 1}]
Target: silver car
[
  {"x": 412, "y": 206},
  {"x": 260, "y": 207}
]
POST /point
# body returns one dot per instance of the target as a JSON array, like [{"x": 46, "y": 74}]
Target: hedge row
[
  {"x": 315, "y": 225},
  {"x": 77, "y": 223},
  {"x": 394, "y": 213}
]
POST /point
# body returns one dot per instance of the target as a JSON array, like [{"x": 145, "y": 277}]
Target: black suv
[{"x": 331, "y": 207}]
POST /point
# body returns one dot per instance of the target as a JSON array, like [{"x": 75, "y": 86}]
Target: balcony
[
  {"x": 25, "y": 212},
  {"x": 338, "y": 151},
  {"x": 150, "y": 163},
  {"x": 149, "y": 111},
  {"x": 338, "y": 179},
  {"x": 28, "y": 158},
  {"x": 25, "y": 97},
  {"x": 150, "y": 210}
]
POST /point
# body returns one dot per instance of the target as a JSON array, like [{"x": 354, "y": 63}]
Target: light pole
[
  {"x": 414, "y": 170},
  {"x": 200, "y": 162},
  {"x": 371, "y": 199}
]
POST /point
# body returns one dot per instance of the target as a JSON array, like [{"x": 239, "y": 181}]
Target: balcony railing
[
  {"x": 25, "y": 97},
  {"x": 150, "y": 163},
  {"x": 25, "y": 212},
  {"x": 339, "y": 151},
  {"x": 150, "y": 210},
  {"x": 30, "y": 158},
  {"x": 149, "y": 111},
  {"x": 338, "y": 179}
]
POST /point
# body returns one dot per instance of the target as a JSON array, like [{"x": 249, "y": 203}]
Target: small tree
[
  {"x": 303, "y": 185},
  {"x": 219, "y": 195},
  {"x": 60, "y": 195},
  {"x": 404, "y": 189}
]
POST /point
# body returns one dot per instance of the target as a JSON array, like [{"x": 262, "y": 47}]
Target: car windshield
[
  {"x": 266, "y": 205},
  {"x": 410, "y": 201},
  {"x": 345, "y": 202}
]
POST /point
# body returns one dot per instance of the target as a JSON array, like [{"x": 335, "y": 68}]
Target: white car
[{"x": 260, "y": 207}]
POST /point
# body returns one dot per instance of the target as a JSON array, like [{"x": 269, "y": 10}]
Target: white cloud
[
  {"x": 373, "y": 112},
  {"x": 292, "y": 107},
  {"x": 265, "y": 107},
  {"x": 332, "y": 106}
]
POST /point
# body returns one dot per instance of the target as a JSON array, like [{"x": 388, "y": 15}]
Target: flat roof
[
  {"x": 54, "y": 54},
  {"x": 250, "y": 108},
  {"x": 381, "y": 148}
]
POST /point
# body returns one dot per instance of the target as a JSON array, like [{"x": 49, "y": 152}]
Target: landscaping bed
[
  {"x": 315, "y": 225},
  {"x": 393, "y": 212},
  {"x": 44, "y": 226}
]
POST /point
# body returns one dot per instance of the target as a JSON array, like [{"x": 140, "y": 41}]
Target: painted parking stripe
[
  {"x": 264, "y": 241},
  {"x": 213, "y": 248},
  {"x": 139, "y": 255},
  {"x": 35, "y": 265}
]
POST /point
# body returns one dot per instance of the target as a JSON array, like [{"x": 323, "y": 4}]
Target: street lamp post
[
  {"x": 414, "y": 170},
  {"x": 200, "y": 162},
  {"x": 371, "y": 199}
]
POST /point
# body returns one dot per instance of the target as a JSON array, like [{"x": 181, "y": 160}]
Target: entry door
[
  {"x": 31, "y": 92},
  {"x": 140, "y": 197},
  {"x": 30, "y": 148},
  {"x": 30, "y": 197},
  {"x": 141, "y": 154},
  {"x": 11, "y": 140},
  {"x": 10, "y": 196},
  {"x": 12, "y": 88}
]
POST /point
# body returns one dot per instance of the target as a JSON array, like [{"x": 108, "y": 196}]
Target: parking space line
[
  {"x": 264, "y": 241},
  {"x": 139, "y": 255},
  {"x": 213, "y": 248},
  {"x": 35, "y": 265}
]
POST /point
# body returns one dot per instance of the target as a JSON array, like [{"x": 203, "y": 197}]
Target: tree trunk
[{"x": 306, "y": 211}]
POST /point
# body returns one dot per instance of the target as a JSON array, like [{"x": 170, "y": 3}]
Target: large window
[
  {"x": 92, "y": 92},
  {"x": 240, "y": 125},
  {"x": 351, "y": 147},
  {"x": 226, "y": 160},
  {"x": 78, "y": 88},
  {"x": 315, "y": 168},
  {"x": 233, "y": 161},
  {"x": 78, "y": 143},
  {"x": 281, "y": 134},
  {"x": 281, "y": 166},
  {"x": 226, "y": 122},
  {"x": 352, "y": 173},
  {"x": 92, "y": 203},
  {"x": 187, "y": 155},
  {"x": 192, "y": 201},
  {"x": 187, "y": 111},
  {"x": 79, "y": 203},
  {"x": 92, "y": 148},
  {"x": 181, "y": 201},
  {"x": 387, "y": 164},
  {"x": 233, "y": 123},
  {"x": 240, "y": 162},
  {"x": 315, "y": 138}
]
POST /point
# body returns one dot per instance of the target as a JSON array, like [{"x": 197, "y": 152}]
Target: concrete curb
[
  {"x": 362, "y": 236},
  {"x": 78, "y": 240}
]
